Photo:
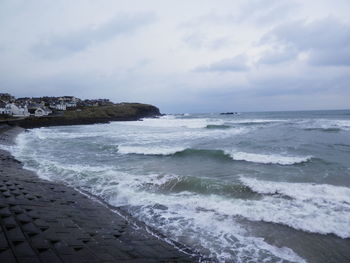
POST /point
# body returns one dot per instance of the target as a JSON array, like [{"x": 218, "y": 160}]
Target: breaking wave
[
  {"x": 323, "y": 209},
  {"x": 268, "y": 158},
  {"x": 148, "y": 150},
  {"x": 301, "y": 191},
  {"x": 170, "y": 121},
  {"x": 324, "y": 125},
  {"x": 223, "y": 154},
  {"x": 251, "y": 122}
]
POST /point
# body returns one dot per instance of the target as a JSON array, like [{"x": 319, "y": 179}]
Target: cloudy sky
[{"x": 181, "y": 55}]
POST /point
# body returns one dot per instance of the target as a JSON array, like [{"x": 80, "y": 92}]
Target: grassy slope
[{"x": 123, "y": 110}]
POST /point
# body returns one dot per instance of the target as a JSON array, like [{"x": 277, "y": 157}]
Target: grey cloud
[
  {"x": 280, "y": 93},
  {"x": 327, "y": 40},
  {"x": 57, "y": 46},
  {"x": 337, "y": 57},
  {"x": 238, "y": 63},
  {"x": 278, "y": 56},
  {"x": 260, "y": 12},
  {"x": 265, "y": 11}
]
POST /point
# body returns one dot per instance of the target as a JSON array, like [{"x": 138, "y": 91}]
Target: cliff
[{"x": 91, "y": 115}]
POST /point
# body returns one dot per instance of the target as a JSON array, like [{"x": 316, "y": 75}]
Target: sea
[{"x": 246, "y": 187}]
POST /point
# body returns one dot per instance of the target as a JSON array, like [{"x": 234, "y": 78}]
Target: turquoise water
[{"x": 252, "y": 187}]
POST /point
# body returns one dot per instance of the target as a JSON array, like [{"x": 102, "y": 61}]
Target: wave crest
[
  {"x": 183, "y": 151},
  {"x": 323, "y": 209},
  {"x": 325, "y": 125},
  {"x": 267, "y": 158},
  {"x": 147, "y": 150},
  {"x": 301, "y": 191}
]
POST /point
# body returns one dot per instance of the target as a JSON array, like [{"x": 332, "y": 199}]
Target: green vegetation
[
  {"x": 5, "y": 117},
  {"x": 121, "y": 110}
]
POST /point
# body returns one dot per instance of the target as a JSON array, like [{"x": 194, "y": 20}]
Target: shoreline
[{"x": 45, "y": 221}]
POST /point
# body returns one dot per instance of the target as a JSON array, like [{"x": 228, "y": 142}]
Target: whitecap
[
  {"x": 149, "y": 150},
  {"x": 173, "y": 122},
  {"x": 325, "y": 124},
  {"x": 267, "y": 158},
  {"x": 257, "y": 121},
  {"x": 322, "y": 209},
  {"x": 301, "y": 191}
]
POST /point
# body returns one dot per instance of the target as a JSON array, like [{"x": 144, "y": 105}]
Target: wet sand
[{"x": 43, "y": 221}]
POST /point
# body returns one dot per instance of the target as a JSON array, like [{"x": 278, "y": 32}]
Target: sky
[{"x": 180, "y": 55}]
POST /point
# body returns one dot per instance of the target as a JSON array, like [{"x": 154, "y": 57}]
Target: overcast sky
[{"x": 181, "y": 55}]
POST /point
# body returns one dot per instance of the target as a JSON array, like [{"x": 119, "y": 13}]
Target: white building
[
  {"x": 71, "y": 104},
  {"x": 40, "y": 111},
  {"x": 69, "y": 101},
  {"x": 16, "y": 111},
  {"x": 58, "y": 106}
]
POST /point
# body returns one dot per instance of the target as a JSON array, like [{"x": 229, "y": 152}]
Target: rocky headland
[{"x": 89, "y": 115}]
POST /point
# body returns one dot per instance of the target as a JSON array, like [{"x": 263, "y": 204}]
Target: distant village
[{"x": 44, "y": 106}]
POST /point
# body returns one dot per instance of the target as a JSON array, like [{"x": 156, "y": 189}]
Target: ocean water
[{"x": 252, "y": 187}]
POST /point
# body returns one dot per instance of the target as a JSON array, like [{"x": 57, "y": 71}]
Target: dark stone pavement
[{"x": 42, "y": 221}]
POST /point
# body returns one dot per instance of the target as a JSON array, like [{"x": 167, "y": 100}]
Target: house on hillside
[
  {"x": 38, "y": 110},
  {"x": 16, "y": 110},
  {"x": 69, "y": 101},
  {"x": 95, "y": 103},
  {"x": 38, "y": 101},
  {"x": 58, "y": 106},
  {"x": 3, "y": 109}
]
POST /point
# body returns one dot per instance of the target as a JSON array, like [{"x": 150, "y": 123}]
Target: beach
[{"x": 44, "y": 221}]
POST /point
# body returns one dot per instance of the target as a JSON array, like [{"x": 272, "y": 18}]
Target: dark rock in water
[
  {"x": 228, "y": 113},
  {"x": 92, "y": 115}
]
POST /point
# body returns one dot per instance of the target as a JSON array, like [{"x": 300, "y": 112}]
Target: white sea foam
[
  {"x": 344, "y": 124},
  {"x": 149, "y": 150},
  {"x": 51, "y": 134},
  {"x": 267, "y": 158},
  {"x": 257, "y": 121},
  {"x": 173, "y": 122},
  {"x": 302, "y": 191},
  {"x": 325, "y": 124},
  {"x": 200, "y": 217},
  {"x": 323, "y": 209}
]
